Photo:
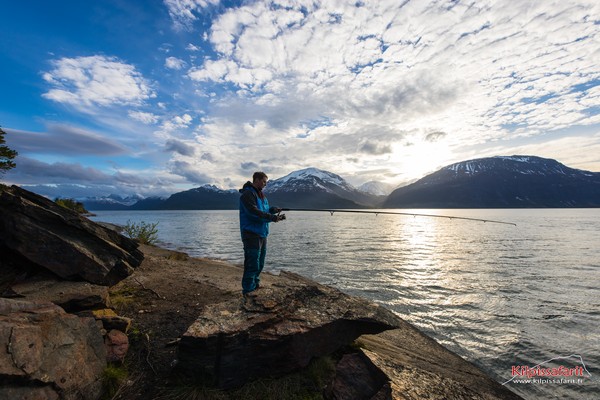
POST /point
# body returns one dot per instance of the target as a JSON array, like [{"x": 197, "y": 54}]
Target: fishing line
[{"x": 332, "y": 211}]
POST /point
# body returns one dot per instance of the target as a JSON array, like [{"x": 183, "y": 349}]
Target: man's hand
[{"x": 279, "y": 217}]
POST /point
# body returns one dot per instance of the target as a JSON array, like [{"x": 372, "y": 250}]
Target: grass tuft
[{"x": 113, "y": 378}]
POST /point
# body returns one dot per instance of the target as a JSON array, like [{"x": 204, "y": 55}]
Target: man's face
[{"x": 260, "y": 183}]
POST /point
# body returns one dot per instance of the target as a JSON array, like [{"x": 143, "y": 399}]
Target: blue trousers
[{"x": 255, "y": 250}]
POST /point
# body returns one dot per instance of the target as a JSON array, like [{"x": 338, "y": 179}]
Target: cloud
[
  {"x": 247, "y": 166},
  {"x": 390, "y": 67},
  {"x": 58, "y": 172},
  {"x": 65, "y": 140},
  {"x": 435, "y": 136},
  {"x": 190, "y": 172},
  {"x": 96, "y": 80},
  {"x": 381, "y": 86},
  {"x": 144, "y": 117},
  {"x": 61, "y": 179},
  {"x": 429, "y": 74},
  {"x": 182, "y": 11},
  {"x": 178, "y": 122},
  {"x": 375, "y": 148},
  {"x": 174, "y": 63},
  {"x": 180, "y": 147},
  {"x": 207, "y": 157}
]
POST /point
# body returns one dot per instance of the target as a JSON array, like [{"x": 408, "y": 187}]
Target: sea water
[{"x": 514, "y": 300}]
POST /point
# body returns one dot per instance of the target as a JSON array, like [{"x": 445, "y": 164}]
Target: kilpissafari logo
[{"x": 553, "y": 371}]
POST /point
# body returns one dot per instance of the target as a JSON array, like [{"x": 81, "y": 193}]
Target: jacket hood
[{"x": 246, "y": 186}]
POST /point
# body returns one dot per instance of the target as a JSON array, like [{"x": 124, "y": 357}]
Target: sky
[{"x": 155, "y": 97}]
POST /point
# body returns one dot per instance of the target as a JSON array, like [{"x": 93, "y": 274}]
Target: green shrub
[
  {"x": 143, "y": 232},
  {"x": 71, "y": 204}
]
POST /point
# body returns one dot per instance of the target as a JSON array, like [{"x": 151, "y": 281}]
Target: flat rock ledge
[
  {"x": 275, "y": 331},
  {"x": 417, "y": 367}
]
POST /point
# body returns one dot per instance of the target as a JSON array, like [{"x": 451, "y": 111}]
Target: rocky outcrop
[
  {"x": 57, "y": 262},
  {"x": 71, "y": 296},
  {"x": 40, "y": 233},
  {"x": 46, "y": 353},
  {"x": 418, "y": 367},
  {"x": 277, "y": 330},
  {"x": 109, "y": 319}
]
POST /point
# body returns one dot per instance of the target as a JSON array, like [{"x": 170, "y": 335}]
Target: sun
[{"x": 420, "y": 158}]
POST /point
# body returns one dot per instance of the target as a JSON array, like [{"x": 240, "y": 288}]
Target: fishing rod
[{"x": 332, "y": 211}]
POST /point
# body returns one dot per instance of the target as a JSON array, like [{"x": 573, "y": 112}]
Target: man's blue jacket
[{"x": 255, "y": 213}]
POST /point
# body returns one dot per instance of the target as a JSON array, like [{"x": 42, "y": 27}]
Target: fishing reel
[{"x": 280, "y": 216}]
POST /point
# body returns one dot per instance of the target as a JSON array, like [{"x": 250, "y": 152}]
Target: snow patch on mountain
[
  {"x": 213, "y": 188},
  {"x": 113, "y": 199}
]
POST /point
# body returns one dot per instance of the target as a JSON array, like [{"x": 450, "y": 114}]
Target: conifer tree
[{"x": 6, "y": 155}]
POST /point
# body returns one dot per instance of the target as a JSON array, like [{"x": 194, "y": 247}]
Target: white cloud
[
  {"x": 144, "y": 117},
  {"x": 96, "y": 80},
  {"x": 182, "y": 11},
  {"x": 177, "y": 123},
  {"x": 174, "y": 63},
  {"x": 382, "y": 86},
  {"x": 479, "y": 73}
]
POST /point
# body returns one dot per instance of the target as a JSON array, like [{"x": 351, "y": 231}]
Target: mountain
[
  {"x": 207, "y": 197},
  {"x": 375, "y": 188},
  {"x": 112, "y": 202},
  {"x": 307, "y": 188},
  {"x": 149, "y": 203},
  {"x": 501, "y": 182},
  {"x": 315, "y": 188}
]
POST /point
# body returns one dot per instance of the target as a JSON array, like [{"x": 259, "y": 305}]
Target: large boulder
[
  {"x": 46, "y": 353},
  {"x": 276, "y": 331},
  {"x": 36, "y": 231}
]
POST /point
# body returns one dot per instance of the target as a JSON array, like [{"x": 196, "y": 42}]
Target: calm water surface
[{"x": 500, "y": 296}]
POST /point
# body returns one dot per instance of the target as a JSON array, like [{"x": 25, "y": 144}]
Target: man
[{"x": 255, "y": 216}]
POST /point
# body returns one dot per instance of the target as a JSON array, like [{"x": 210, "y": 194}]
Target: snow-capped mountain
[
  {"x": 514, "y": 181},
  {"x": 315, "y": 188},
  {"x": 111, "y": 202},
  {"x": 309, "y": 174},
  {"x": 526, "y": 165},
  {"x": 375, "y": 188}
]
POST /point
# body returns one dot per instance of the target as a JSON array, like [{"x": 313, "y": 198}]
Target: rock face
[
  {"x": 277, "y": 331},
  {"x": 71, "y": 296},
  {"x": 46, "y": 353},
  {"x": 117, "y": 344},
  {"x": 356, "y": 377},
  {"x": 36, "y": 231},
  {"x": 420, "y": 368}
]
